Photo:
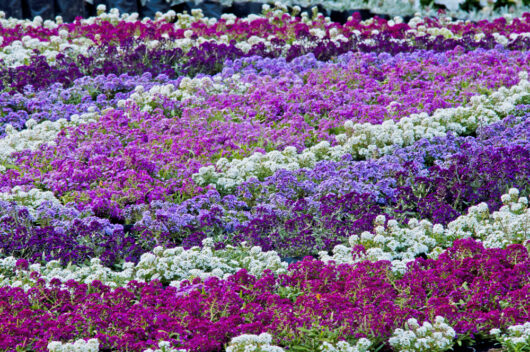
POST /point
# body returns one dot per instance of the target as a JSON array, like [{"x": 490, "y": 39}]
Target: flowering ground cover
[{"x": 270, "y": 183}]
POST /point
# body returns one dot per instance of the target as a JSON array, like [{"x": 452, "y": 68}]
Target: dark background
[{"x": 70, "y": 9}]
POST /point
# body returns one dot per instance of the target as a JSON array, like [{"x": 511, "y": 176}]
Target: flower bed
[{"x": 161, "y": 184}]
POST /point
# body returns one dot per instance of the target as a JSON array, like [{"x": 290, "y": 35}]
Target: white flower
[
  {"x": 256, "y": 343},
  {"x": 91, "y": 345},
  {"x": 425, "y": 337}
]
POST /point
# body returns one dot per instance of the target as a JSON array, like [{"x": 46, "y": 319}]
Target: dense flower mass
[
  {"x": 475, "y": 289},
  {"x": 152, "y": 156},
  {"x": 273, "y": 183}
]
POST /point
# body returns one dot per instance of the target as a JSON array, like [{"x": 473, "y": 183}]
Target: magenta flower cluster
[{"x": 476, "y": 289}]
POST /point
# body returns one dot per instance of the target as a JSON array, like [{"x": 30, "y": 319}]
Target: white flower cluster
[
  {"x": 187, "y": 89},
  {"x": 30, "y": 199},
  {"x": 164, "y": 346},
  {"x": 370, "y": 141},
  {"x": 12, "y": 276},
  {"x": 400, "y": 245},
  {"x": 392, "y": 242},
  {"x": 36, "y": 22},
  {"x": 434, "y": 31},
  {"x": 170, "y": 265},
  {"x": 19, "y": 52},
  {"x": 428, "y": 337},
  {"x": 113, "y": 16},
  {"x": 91, "y": 345},
  {"x": 253, "y": 343},
  {"x": 180, "y": 264},
  {"x": 37, "y": 134},
  {"x": 184, "y": 20},
  {"x": 510, "y": 224},
  {"x": 362, "y": 345},
  {"x": 258, "y": 165},
  {"x": 262, "y": 343},
  {"x": 516, "y": 339}
]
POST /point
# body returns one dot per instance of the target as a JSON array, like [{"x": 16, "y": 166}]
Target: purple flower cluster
[
  {"x": 315, "y": 209},
  {"x": 134, "y": 157},
  {"x": 134, "y": 57},
  {"x": 309, "y": 209},
  {"x": 63, "y": 234},
  {"x": 55, "y": 102}
]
